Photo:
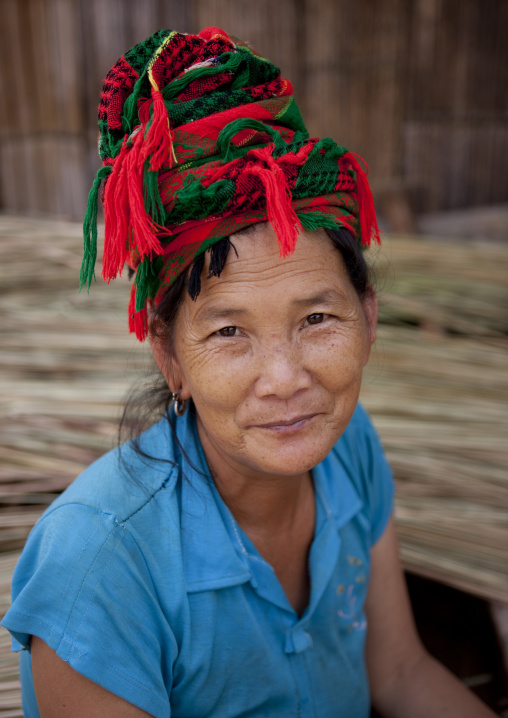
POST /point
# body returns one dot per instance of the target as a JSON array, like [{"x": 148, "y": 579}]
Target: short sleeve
[
  {"x": 83, "y": 587},
  {"x": 382, "y": 487},
  {"x": 372, "y": 473}
]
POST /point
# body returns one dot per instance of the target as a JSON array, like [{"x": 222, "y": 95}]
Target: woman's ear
[
  {"x": 371, "y": 311},
  {"x": 167, "y": 361}
]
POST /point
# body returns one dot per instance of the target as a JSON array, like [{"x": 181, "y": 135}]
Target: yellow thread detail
[
  {"x": 155, "y": 57},
  {"x": 154, "y": 84},
  {"x": 222, "y": 37},
  {"x": 284, "y": 109},
  {"x": 248, "y": 138}
]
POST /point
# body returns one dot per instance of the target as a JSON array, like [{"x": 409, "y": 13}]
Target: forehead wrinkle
[
  {"x": 227, "y": 288},
  {"x": 239, "y": 270},
  {"x": 258, "y": 267},
  {"x": 262, "y": 247},
  {"x": 257, "y": 264}
]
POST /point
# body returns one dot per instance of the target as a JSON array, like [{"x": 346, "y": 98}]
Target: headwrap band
[{"x": 201, "y": 137}]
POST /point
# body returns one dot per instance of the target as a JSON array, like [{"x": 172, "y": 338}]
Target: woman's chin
[{"x": 287, "y": 453}]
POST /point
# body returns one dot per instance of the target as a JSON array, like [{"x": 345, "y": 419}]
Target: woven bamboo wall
[{"x": 416, "y": 86}]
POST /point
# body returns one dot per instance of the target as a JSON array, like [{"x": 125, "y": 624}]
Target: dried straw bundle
[{"x": 436, "y": 387}]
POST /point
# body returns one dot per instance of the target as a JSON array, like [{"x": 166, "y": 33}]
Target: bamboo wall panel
[
  {"x": 270, "y": 27},
  {"x": 456, "y": 129},
  {"x": 416, "y": 86},
  {"x": 353, "y": 88},
  {"x": 43, "y": 132},
  {"x": 467, "y": 164}
]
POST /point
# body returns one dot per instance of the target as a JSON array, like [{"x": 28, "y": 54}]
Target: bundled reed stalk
[{"x": 436, "y": 386}]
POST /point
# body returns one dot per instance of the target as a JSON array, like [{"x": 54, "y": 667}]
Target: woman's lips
[{"x": 286, "y": 426}]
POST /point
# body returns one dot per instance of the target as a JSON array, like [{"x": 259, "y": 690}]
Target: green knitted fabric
[{"x": 200, "y": 137}]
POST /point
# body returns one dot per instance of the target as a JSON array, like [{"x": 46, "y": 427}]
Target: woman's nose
[{"x": 281, "y": 372}]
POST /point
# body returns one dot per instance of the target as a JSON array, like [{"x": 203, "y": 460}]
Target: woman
[{"x": 229, "y": 561}]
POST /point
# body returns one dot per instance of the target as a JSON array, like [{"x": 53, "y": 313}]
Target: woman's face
[{"x": 272, "y": 354}]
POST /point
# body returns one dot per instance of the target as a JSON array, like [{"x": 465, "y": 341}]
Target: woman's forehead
[
  {"x": 257, "y": 269},
  {"x": 255, "y": 255}
]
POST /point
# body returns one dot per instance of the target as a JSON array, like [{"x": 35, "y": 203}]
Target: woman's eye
[
  {"x": 227, "y": 331},
  {"x": 315, "y": 318}
]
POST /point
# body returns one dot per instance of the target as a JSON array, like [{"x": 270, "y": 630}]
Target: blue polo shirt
[{"x": 145, "y": 584}]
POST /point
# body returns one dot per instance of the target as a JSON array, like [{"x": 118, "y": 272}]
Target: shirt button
[{"x": 298, "y": 640}]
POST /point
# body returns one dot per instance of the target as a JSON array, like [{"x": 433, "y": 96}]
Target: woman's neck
[
  {"x": 259, "y": 501},
  {"x": 276, "y": 512}
]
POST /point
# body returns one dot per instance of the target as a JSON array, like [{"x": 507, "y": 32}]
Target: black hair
[{"x": 152, "y": 400}]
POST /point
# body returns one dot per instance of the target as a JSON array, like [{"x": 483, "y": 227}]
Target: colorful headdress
[{"x": 199, "y": 138}]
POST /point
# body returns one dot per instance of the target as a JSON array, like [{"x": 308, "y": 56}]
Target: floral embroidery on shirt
[{"x": 351, "y": 597}]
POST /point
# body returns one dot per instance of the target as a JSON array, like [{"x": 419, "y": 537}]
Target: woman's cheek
[
  {"x": 219, "y": 373},
  {"x": 335, "y": 356}
]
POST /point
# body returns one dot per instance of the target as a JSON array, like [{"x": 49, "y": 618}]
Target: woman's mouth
[{"x": 287, "y": 426}]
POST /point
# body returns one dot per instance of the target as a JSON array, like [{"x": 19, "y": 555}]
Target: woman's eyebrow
[
  {"x": 210, "y": 314},
  {"x": 328, "y": 296}
]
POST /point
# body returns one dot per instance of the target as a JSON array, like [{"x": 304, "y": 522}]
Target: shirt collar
[
  {"x": 335, "y": 489},
  {"x": 213, "y": 553},
  {"x": 211, "y": 559}
]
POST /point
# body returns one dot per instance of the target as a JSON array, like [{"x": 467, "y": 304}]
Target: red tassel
[
  {"x": 159, "y": 137},
  {"x": 214, "y": 174},
  {"x": 128, "y": 227},
  {"x": 300, "y": 157},
  {"x": 138, "y": 321},
  {"x": 116, "y": 216},
  {"x": 279, "y": 209},
  {"x": 369, "y": 229},
  {"x": 144, "y": 106},
  {"x": 142, "y": 229}
]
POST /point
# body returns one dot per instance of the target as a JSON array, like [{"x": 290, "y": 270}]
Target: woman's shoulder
[
  {"x": 365, "y": 474},
  {"x": 121, "y": 505},
  {"x": 104, "y": 543},
  {"x": 360, "y": 446},
  {"x": 123, "y": 480}
]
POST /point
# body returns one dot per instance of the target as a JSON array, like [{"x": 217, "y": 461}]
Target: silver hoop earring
[{"x": 179, "y": 405}]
